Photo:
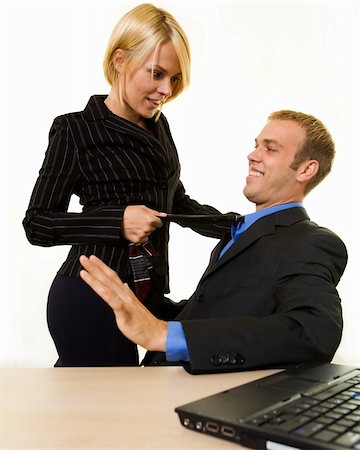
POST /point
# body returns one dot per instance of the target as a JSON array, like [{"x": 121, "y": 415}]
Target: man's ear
[
  {"x": 118, "y": 59},
  {"x": 307, "y": 170}
]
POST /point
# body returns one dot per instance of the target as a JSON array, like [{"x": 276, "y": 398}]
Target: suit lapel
[
  {"x": 96, "y": 110},
  {"x": 265, "y": 226},
  {"x": 149, "y": 145}
]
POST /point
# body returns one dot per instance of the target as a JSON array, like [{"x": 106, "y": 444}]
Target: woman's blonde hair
[{"x": 139, "y": 32}]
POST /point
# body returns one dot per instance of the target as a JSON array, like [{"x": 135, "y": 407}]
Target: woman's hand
[{"x": 139, "y": 222}]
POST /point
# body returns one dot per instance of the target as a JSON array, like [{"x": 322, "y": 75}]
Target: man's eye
[{"x": 271, "y": 149}]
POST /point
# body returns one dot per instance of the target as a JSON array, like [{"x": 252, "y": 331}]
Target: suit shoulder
[
  {"x": 68, "y": 123},
  {"x": 69, "y": 117},
  {"x": 316, "y": 235},
  {"x": 314, "y": 228},
  {"x": 94, "y": 110},
  {"x": 62, "y": 125},
  {"x": 312, "y": 249}
]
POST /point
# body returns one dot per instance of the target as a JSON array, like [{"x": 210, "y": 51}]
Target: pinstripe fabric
[{"x": 109, "y": 163}]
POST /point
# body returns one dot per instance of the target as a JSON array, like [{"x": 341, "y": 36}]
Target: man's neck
[{"x": 260, "y": 207}]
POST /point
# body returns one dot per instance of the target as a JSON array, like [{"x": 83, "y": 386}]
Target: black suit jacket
[{"x": 271, "y": 300}]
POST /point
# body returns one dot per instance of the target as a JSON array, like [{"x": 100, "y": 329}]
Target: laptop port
[
  {"x": 212, "y": 426},
  {"x": 227, "y": 431}
]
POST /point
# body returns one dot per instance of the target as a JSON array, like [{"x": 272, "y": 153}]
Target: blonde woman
[{"x": 119, "y": 158}]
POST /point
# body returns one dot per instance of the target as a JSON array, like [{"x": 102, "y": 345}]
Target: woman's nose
[{"x": 165, "y": 87}]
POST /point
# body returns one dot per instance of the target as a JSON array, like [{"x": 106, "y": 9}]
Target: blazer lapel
[
  {"x": 96, "y": 110},
  {"x": 264, "y": 226}
]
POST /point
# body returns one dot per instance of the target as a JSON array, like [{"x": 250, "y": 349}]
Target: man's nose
[{"x": 255, "y": 155}]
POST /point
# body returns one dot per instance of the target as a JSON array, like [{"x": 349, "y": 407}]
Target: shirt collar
[{"x": 250, "y": 219}]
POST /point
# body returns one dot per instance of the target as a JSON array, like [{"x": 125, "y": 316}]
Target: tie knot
[
  {"x": 237, "y": 226},
  {"x": 239, "y": 219}
]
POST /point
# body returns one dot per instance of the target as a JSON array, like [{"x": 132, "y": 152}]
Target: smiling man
[{"x": 268, "y": 296}]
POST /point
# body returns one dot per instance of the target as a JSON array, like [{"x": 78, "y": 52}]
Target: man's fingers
[
  {"x": 99, "y": 277},
  {"x": 101, "y": 289},
  {"x": 97, "y": 268},
  {"x": 105, "y": 281},
  {"x": 133, "y": 319},
  {"x": 96, "y": 262}
]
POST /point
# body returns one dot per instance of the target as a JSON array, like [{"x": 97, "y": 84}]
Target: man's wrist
[{"x": 158, "y": 344}]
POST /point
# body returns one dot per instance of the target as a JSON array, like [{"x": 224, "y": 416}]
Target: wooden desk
[{"x": 118, "y": 408}]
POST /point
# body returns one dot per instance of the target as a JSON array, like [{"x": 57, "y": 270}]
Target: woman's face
[{"x": 150, "y": 83}]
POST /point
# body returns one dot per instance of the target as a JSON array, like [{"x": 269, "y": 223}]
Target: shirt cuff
[{"x": 176, "y": 346}]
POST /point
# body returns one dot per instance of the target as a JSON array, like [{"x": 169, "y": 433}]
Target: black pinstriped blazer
[{"x": 109, "y": 163}]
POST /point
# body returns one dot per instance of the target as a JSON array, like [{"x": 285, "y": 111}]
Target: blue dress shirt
[{"x": 176, "y": 347}]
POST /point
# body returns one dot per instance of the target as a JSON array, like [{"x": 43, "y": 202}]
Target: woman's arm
[{"x": 47, "y": 221}]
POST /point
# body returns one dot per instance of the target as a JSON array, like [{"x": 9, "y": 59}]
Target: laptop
[{"x": 306, "y": 407}]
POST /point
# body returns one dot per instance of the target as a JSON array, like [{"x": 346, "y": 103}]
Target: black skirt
[{"x": 84, "y": 329}]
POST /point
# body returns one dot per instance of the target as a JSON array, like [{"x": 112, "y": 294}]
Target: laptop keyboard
[{"x": 329, "y": 416}]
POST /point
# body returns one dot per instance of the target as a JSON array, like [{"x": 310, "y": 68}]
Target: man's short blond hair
[{"x": 318, "y": 144}]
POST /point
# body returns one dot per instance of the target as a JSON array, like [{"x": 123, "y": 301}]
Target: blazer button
[
  {"x": 200, "y": 298},
  {"x": 163, "y": 184},
  {"x": 239, "y": 359},
  {"x": 215, "y": 360},
  {"x": 233, "y": 359}
]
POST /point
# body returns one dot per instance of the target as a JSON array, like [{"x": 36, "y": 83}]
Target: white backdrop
[{"x": 249, "y": 58}]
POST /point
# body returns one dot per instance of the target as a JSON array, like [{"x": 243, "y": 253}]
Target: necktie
[
  {"x": 219, "y": 220},
  {"x": 236, "y": 230},
  {"x": 140, "y": 261}
]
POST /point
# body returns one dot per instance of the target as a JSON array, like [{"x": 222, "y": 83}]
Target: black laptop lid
[
  {"x": 233, "y": 414},
  {"x": 251, "y": 398}
]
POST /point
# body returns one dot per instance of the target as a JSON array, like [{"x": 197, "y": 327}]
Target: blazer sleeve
[
  {"x": 305, "y": 326},
  {"x": 47, "y": 221}
]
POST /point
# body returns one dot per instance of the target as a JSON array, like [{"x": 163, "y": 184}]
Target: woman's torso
[{"x": 107, "y": 162}]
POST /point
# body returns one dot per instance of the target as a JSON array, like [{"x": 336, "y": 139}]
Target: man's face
[{"x": 271, "y": 181}]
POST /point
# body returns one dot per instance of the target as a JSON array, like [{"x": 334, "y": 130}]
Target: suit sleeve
[
  {"x": 305, "y": 325},
  {"x": 47, "y": 221}
]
